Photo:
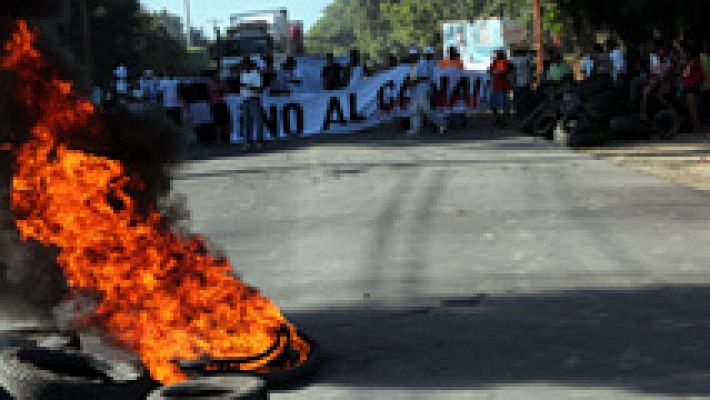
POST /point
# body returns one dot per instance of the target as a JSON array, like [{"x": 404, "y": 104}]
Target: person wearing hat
[{"x": 421, "y": 80}]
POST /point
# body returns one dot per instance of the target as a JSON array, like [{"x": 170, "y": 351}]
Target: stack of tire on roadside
[
  {"x": 41, "y": 364},
  {"x": 594, "y": 112}
]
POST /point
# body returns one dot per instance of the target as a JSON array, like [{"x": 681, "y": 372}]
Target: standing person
[
  {"x": 705, "y": 94},
  {"x": 148, "y": 87},
  {"x": 331, "y": 73},
  {"x": 559, "y": 75},
  {"x": 499, "y": 71},
  {"x": 587, "y": 64},
  {"x": 693, "y": 77},
  {"x": 660, "y": 82},
  {"x": 251, "y": 87},
  {"x": 353, "y": 72},
  {"x": 289, "y": 77},
  {"x": 168, "y": 87},
  {"x": 220, "y": 113},
  {"x": 121, "y": 78},
  {"x": 523, "y": 79},
  {"x": 268, "y": 71},
  {"x": 618, "y": 60},
  {"x": 603, "y": 65},
  {"x": 420, "y": 106},
  {"x": 453, "y": 61}
]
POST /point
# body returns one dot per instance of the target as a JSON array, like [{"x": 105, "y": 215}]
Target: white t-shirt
[
  {"x": 618, "y": 62},
  {"x": 587, "y": 66},
  {"x": 250, "y": 78},
  {"x": 169, "y": 88},
  {"x": 121, "y": 74}
]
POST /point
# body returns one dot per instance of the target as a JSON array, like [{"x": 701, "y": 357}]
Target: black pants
[
  {"x": 174, "y": 114},
  {"x": 220, "y": 114}
]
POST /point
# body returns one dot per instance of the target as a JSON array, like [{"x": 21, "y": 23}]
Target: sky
[{"x": 202, "y": 12}]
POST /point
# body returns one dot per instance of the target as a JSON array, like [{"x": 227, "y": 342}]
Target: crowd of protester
[{"x": 650, "y": 72}]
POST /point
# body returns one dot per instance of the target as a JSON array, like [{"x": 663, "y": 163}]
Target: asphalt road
[{"x": 477, "y": 267}]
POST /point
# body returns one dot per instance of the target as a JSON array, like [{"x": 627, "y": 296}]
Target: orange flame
[{"x": 160, "y": 295}]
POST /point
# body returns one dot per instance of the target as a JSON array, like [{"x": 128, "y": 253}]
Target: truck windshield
[{"x": 247, "y": 46}]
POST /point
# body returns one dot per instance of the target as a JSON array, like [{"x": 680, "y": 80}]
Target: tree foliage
[
  {"x": 121, "y": 31},
  {"x": 378, "y": 27}
]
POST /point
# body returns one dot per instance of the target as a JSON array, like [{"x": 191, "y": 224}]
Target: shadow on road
[
  {"x": 386, "y": 135},
  {"x": 652, "y": 340}
]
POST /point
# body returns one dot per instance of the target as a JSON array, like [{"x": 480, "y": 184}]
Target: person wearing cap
[{"x": 421, "y": 81}]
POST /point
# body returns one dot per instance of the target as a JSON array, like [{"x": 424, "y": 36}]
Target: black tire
[
  {"x": 224, "y": 387},
  {"x": 545, "y": 125},
  {"x": 38, "y": 336},
  {"x": 560, "y": 134},
  {"x": 31, "y": 373},
  {"x": 667, "y": 123}
]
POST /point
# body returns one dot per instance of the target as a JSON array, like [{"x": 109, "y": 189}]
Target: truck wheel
[
  {"x": 30, "y": 373},
  {"x": 232, "y": 387}
]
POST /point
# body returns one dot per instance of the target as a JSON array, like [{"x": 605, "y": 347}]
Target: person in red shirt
[
  {"x": 499, "y": 71},
  {"x": 693, "y": 76}
]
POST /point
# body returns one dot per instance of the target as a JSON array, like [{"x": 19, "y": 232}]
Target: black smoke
[{"x": 31, "y": 282}]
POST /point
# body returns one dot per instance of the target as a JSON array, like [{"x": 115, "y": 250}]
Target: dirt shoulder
[{"x": 685, "y": 160}]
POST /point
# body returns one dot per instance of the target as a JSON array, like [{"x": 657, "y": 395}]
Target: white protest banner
[{"x": 370, "y": 102}]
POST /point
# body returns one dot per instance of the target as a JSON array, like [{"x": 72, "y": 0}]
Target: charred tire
[
  {"x": 38, "y": 336},
  {"x": 232, "y": 387},
  {"x": 545, "y": 125},
  {"x": 32, "y": 373},
  {"x": 574, "y": 133},
  {"x": 561, "y": 133},
  {"x": 667, "y": 123}
]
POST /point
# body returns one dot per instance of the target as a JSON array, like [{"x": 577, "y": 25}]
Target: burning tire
[
  {"x": 282, "y": 376},
  {"x": 31, "y": 373},
  {"x": 215, "y": 388}
]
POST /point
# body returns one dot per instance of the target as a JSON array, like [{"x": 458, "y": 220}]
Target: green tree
[
  {"x": 378, "y": 27},
  {"x": 121, "y": 32}
]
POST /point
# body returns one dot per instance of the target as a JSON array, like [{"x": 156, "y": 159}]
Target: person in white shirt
[
  {"x": 168, "y": 88},
  {"x": 288, "y": 78},
  {"x": 149, "y": 86},
  {"x": 587, "y": 65},
  {"x": 251, "y": 87},
  {"x": 121, "y": 76},
  {"x": 421, "y": 81},
  {"x": 618, "y": 60}
]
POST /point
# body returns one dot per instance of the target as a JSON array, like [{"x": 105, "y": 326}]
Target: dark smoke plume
[{"x": 31, "y": 282}]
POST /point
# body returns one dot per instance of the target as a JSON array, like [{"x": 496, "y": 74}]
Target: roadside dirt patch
[{"x": 685, "y": 160}]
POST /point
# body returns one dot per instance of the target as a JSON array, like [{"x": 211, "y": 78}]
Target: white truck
[{"x": 254, "y": 34}]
